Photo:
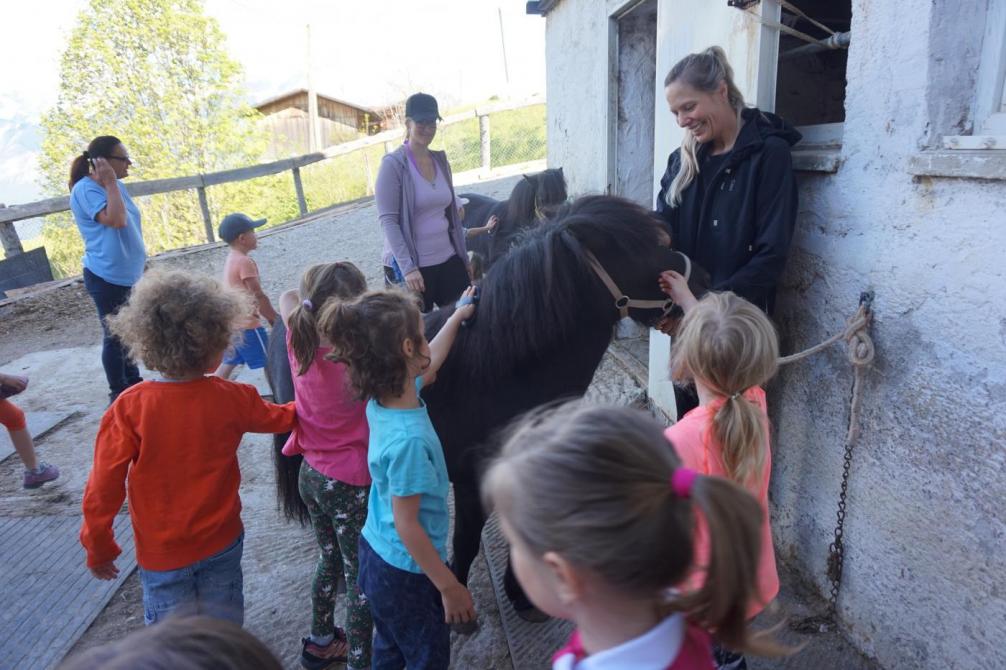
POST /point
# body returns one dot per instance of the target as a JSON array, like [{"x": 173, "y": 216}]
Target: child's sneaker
[
  {"x": 317, "y": 657},
  {"x": 40, "y": 475}
]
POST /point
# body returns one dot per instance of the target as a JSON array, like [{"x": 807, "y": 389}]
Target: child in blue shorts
[
  {"x": 241, "y": 272},
  {"x": 403, "y": 571}
]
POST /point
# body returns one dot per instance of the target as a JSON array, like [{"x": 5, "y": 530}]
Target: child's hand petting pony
[{"x": 676, "y": 286}]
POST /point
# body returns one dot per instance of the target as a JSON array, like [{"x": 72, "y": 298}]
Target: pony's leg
[{"x": 468, "y": 522}]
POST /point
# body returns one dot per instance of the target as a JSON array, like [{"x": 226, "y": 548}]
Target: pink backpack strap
[{"x": 696, "y": 651}]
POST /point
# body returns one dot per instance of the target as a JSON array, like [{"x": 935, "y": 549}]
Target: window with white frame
[{"x": 989, "y": 109}]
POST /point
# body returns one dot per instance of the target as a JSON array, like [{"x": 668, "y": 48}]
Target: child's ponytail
[
  {"x": 733, "y": 521},
  {"x": 320, "y": 283},
  {"x": 739, "y": 427},
  {"x": 730, "y": 346}
]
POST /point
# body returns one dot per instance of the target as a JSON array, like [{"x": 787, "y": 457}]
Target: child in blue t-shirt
[{"x": 413, "y": 595}]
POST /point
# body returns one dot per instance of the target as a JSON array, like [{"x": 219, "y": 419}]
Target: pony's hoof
[{"x": 532, "y": 614}]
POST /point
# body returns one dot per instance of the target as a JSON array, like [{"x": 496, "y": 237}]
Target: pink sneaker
[{"x": 40, "y": 475}]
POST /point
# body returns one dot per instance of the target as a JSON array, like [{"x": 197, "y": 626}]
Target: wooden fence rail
[{"x": 200, "y": 182}]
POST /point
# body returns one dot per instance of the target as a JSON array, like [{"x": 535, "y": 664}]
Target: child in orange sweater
[{"x": 177, "y": 438}]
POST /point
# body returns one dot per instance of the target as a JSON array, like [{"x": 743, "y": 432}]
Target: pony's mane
[{"x": 542, "y": 293}]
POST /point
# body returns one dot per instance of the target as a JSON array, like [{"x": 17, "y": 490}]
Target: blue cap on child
[{"x": 235, "y": 224}]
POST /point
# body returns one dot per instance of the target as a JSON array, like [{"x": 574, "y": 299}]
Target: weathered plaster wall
[
  {"x": 925, "y": 534},
  {"x": 576, "y": 50},
  {"x": 925, "y": 570}
]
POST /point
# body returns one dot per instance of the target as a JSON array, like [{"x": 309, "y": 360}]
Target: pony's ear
[
  {"x": 560, "y": 170},
  {"x": 530, "y": 180}
]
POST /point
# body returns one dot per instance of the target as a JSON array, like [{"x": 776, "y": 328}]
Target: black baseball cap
[
  {"x": 235, "y": 224},
  {"x": 422, "y": 107}
]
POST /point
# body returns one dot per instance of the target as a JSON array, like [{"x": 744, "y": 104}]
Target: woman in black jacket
[{"x": 728, "y": 195}]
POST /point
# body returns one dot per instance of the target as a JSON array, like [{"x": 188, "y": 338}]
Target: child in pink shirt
[
  {"x": 332, "y": 435},
  {"x": 728, "y": 348}
]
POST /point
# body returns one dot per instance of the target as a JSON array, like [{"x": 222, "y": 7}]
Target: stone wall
[{"x": 926, "y": 528}]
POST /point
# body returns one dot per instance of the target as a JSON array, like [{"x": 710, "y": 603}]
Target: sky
[{"x": 370, "y": 52}]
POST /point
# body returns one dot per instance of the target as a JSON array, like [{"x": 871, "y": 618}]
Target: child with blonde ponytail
[
  {"x": 728, "y": 349},
  {"x": 599, "y": 512},
  {"x": 332, "y": 435}
]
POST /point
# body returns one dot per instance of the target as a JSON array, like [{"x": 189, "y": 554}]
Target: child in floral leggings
[{"x": 332, "y": 435}]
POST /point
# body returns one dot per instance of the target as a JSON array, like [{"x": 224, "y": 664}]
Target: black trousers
[{"x": 444, "y": 282}]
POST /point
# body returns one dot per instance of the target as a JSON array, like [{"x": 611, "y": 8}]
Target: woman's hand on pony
[{"x": 675, "y": 285}]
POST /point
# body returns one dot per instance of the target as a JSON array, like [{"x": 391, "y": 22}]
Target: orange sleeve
[
  {"x": 687, "y": 441},
  {"x": 267, "y": 417},
  {"x": 114, "y": 449}
]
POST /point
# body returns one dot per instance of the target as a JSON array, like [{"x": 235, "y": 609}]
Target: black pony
[
  {"x": 543, "y": 324},
  {"x": 532, "y": 198}
]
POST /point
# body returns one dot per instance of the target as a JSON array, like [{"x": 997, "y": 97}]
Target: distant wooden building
[{"x": 287, "y": 117}]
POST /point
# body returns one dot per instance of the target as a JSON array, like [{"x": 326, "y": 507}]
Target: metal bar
[
  {"x": 204, "y": 205},
  {"x": 836, "y": 41}
]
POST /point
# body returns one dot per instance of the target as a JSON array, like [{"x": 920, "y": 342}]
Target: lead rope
[{"x": 860, "y": 352}]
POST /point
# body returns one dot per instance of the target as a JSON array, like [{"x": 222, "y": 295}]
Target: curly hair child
[{"x": 177, "y": 438}]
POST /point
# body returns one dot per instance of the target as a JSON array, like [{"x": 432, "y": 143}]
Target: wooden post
[
  {"x": 207, "y": 221},
  {"x": 8, "y": 236},
  {"x": 387, "y": 147},
  {"x": 297, "y": 184},
  {"x": 370, "y": 175},
  {"x": 484, "y": 138}
]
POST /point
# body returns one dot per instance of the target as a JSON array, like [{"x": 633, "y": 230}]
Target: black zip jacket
[{"x": 741, "y": 227}]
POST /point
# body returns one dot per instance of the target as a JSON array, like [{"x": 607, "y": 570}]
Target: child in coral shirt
[{"x": 177, "y": 438}]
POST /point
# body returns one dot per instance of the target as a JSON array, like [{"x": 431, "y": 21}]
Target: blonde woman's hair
[
  {"x": 730, "y": 346},
  {"x": 593, "y": 484},
  {"x": 178, "y": 322},
  {"x": 340, "y": 281},
  {"x": 702, "y": 71}
]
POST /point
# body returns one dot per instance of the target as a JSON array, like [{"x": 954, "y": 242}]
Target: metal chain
[{"x": 836, "y": 550}]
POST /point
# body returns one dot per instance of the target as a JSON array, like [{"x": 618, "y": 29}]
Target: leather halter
[{"x": 624, "y": 302}]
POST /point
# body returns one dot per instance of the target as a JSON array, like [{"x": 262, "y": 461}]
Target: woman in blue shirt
[{"x": 114, "y": 254}]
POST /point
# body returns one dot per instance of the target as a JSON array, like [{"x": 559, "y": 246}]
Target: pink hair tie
[{"x": 682, "y": 481}]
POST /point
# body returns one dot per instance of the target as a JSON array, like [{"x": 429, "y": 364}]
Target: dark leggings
[
  {"x": 120, "y": 370},
  {"x": 444, "y": 282}
]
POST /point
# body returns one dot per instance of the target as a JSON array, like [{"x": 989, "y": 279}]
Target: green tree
[{"x": 156, "y": 74}]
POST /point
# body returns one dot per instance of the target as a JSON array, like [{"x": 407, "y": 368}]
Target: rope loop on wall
[{"x": 860, "y": 353}]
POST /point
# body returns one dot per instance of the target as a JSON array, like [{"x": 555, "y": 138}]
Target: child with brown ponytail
[
  {"x": 728, "y": 348},
  {"x": 599, "y": 513}
]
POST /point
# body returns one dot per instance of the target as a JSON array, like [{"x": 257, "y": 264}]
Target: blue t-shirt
[
  {"x": 117, "y": 255},
  {"x": 405, "y": 459}
]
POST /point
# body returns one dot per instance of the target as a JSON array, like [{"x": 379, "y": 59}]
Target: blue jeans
[
  {"x": 120, "y": 370},
  {"x": 212, "y": 587},
  {"x": 409, "y": 627}
]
